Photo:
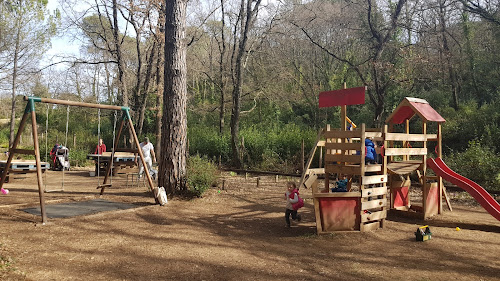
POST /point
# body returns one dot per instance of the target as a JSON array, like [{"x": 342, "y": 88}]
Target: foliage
[
  {"x": 479, "y": 163},
  {"x": 201, "y": 174},
  {"x": 472, "y": 122}
]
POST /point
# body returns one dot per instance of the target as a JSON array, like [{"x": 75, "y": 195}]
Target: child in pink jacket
[{"x": 293, "y": 203}]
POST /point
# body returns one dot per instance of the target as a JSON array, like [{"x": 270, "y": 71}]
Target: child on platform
[{"x": 293, "y": 203}]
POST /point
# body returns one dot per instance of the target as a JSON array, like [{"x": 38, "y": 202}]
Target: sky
[{"x": 62, "y": 45}]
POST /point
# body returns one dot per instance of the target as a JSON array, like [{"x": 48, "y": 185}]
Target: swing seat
[{"x": 103, "y": 186}]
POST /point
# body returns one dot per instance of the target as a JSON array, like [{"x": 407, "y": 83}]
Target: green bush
[
  {"x": 478, "y": 163},
  {"x": 208, "y": 142},
  {"x": 201, "y": 174},
  {"x": 78, "y": 158}
]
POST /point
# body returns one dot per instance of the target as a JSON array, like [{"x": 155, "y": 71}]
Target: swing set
[{"x": 30, "y": 110}]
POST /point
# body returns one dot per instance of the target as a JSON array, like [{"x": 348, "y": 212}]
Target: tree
[
  {"x": 376, "y": 58},
  {"x": 174, "y": 122},
  {"x": 246, "y": 17},
  {"x": 30, "y": 27}
]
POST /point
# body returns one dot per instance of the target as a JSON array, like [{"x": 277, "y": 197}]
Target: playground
[
  {"x": 237, "y": 234},
  {"x": 61, "y": 225}
]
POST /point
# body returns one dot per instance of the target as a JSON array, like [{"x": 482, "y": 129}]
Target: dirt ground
[{"x": 238, "y": 233}]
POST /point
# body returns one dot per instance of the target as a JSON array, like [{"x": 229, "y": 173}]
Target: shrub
[
  {"x": 78, "y": 158},
  {"x": 201, "y": 174},
  {"x": 478, "y": 163}
]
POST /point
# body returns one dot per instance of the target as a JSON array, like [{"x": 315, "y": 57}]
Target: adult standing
[
  {"x": 100, "y": 149},
  {"x": 148, "y": 151}
]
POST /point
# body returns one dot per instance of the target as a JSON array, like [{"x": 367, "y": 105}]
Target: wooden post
[
  {"x": 38, "y": 164},
  {"x": 74, "y": 140},
  {"x": 320, "y": 164},
  {"x": 424, "y": 172},
  {"x": 242, "y": 146},
  {"x": 406, "y": 143},
  {"x": 258, "y": 182},
  {"x": 276, "y": 178},
  {"x": 302, "y": 154},
  {"x": 223, "y": 183},
  {"x": 5, "y": 171},
  {"x": 141, "y": 155}
]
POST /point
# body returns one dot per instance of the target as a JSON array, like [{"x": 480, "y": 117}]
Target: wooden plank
[
  {"x": 405, "y": 137},
  {"x": 337, "y": 194},
  {"x": 103, "y": 185},
  {"x": 374, "y": 179},
  {"x": 374, "y": 191},
  {"x": 370, "y": 226},
  {"x": 343, "y": 146},
  {"x": 373, "y": 168},
  {"x": 311, "y": 156},
  {"x": 374, "y": 216},
  {"x": 123, "y": 149},
  {"x": 317, "y": 214},
  {"x": 402, "y": 168},
  {"x": 317, "y": 171},
  {"x": 75, "y": 103},
  {"x": 446, "y": 197},
  {"x": 405, "y": 151},
  {"x": 342, "y": 158},
  {"x": 339, "y": 134},
  {"x": 373, "y": 134},
  {"x": 310, "y": 180},
  {"x": 338, "y": 169},
  {"x": 432, "y": 137},
  {"x": 373, "y": 204}
]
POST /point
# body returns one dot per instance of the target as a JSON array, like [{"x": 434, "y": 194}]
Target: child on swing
[{"x": 293, "y": 203}]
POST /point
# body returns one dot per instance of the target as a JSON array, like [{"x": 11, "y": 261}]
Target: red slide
[{"x": 482, "y": 196}]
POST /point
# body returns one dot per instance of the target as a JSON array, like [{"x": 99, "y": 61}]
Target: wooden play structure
[
  {"x": 30, "y": 112},
  {"x": 412, "y": 150},
  {"x": 363, "y": 206}
]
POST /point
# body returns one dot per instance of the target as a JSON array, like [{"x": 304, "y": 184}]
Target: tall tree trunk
[
  {"x": 447, "y": 55},
  {"x": 247, "y": 17},
  {"x": 160, "y": 38},
  {"x": 119, "y": 59},
  {"x": 159, "y": 95},
  {"x": 147, "y": 81},
  {"x": 174, "y": 129},
  {"x": 109, "y": 89},
  {"x": 221, "y": 69},
  {"x": 14, "y": 87}
]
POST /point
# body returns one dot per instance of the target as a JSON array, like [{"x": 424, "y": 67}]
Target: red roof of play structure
[{"x": 411, "y": 106}]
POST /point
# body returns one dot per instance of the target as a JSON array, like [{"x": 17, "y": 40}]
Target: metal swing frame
[{"x": 30, "y": 110}]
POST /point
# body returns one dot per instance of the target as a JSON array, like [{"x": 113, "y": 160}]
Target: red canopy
[
  {"x": 349, "y": 96},
  {"x": 411, "y": 106}
]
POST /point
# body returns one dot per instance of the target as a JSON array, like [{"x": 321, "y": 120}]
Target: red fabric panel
[
  {"x": 349, "y": 96},
  {"x": 402, "y": 114},
  {"x": 339, "y": 213},
  {"x": 400, "y": 196},
  {"x": 432, "y": 205},
  {"x": 428, "y": 112}
]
